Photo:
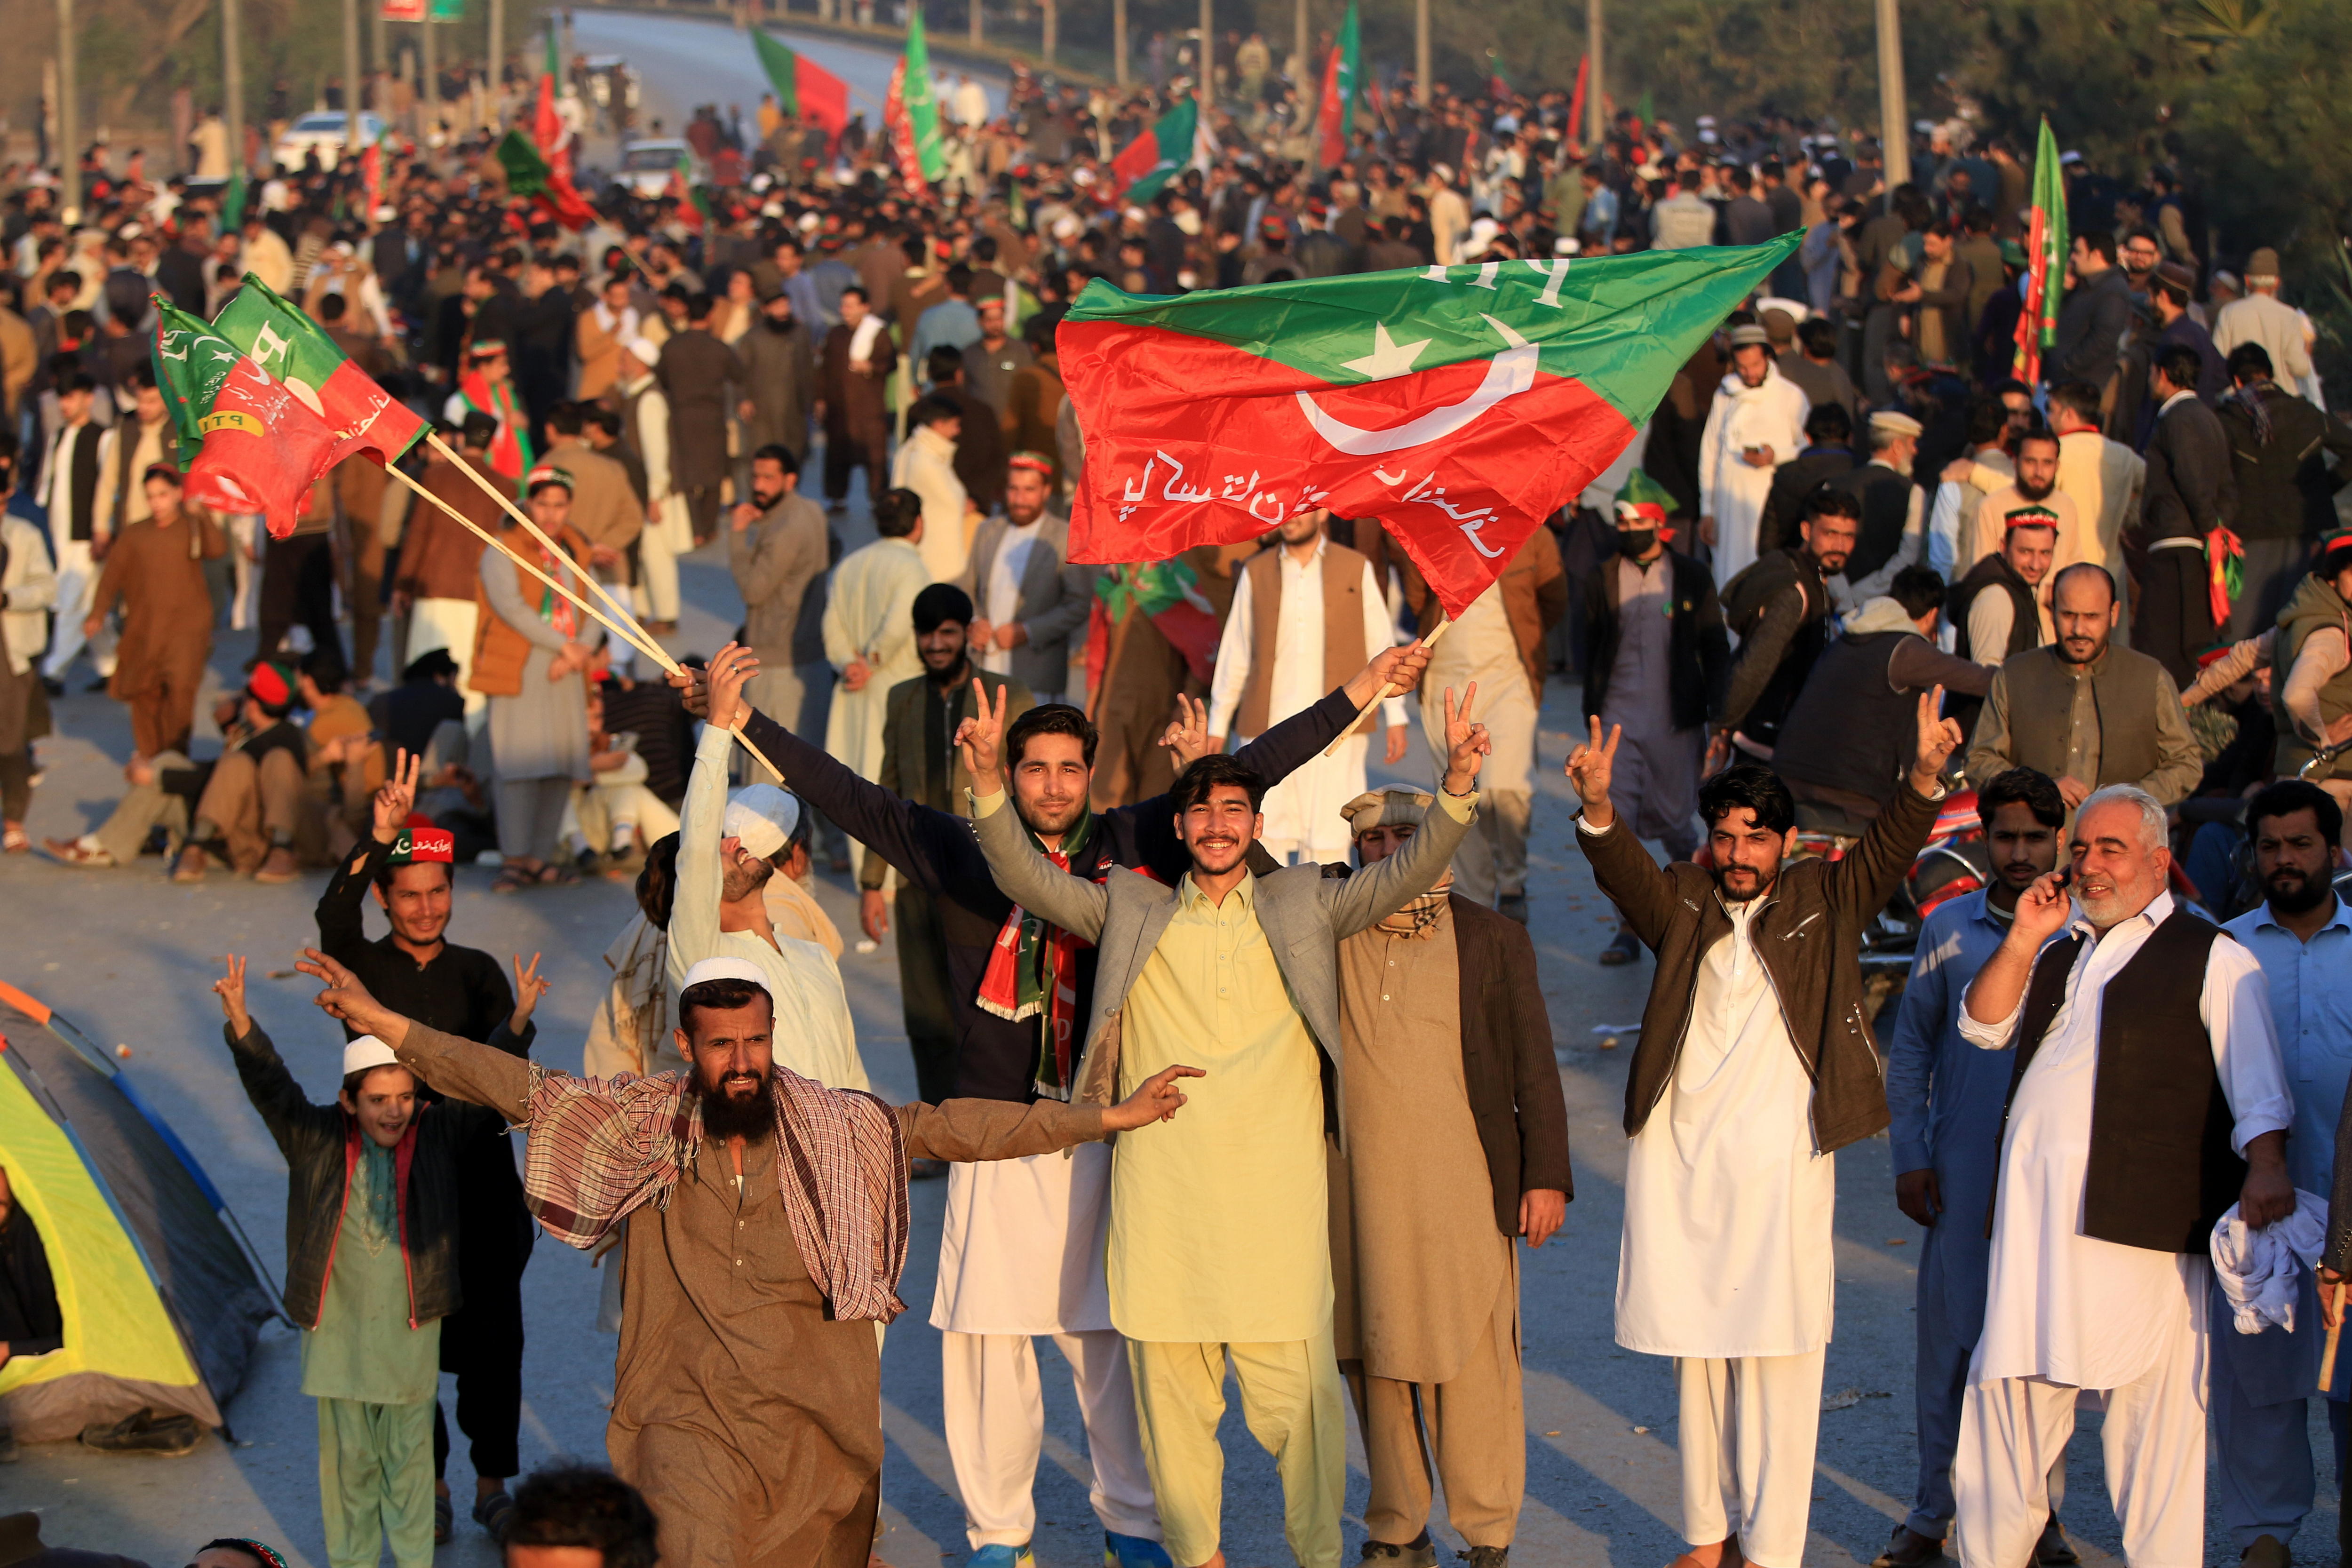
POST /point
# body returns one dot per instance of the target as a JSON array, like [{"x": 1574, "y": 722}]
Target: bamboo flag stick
[
  {"x": 2334, "y": 1329},
  {"x": 1388, "y": 688},
  {"x": 648, "y": 647}
]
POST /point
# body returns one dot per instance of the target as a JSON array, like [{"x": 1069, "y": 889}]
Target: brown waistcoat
[{"x": 1343, "y": 630}]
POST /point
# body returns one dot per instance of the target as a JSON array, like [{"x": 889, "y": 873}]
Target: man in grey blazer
[
  {"x": 1219, "y": 1245},
  {"x": 1031, "y": 601}
]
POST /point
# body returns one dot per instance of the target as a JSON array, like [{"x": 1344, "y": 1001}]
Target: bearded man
[
  {"x": 1755, "y": 423},
  {"x": 748, "y": 1390},
  {"x": 1755, "y": 1064},
  {"x": 2033, "y": 489}
]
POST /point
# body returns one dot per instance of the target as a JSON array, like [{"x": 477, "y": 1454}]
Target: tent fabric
[{"x": 162, "y": 1307}]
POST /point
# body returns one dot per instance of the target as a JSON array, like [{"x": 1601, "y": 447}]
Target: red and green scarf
[
  {"x": 1032, "y": 971},
  {"x": 510, "y": 454}
]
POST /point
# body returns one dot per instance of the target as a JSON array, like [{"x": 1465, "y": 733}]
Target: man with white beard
[
  {"x": 1755, "y": 423},
  {"x": 2147, "y": 1097}
]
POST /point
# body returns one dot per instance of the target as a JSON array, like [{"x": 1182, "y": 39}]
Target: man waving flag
[{"x": 1459, "y": 405}]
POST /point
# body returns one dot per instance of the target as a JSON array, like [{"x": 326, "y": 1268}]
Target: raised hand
[
  {"x": 530, "y": 987},
  {"x": 230, "y": 989},
  {"x": 981, "y": 739},
  {"x": 1187, "y": 738},
  {"x": 398, "y": 798},
  {"x": 693, "y": 689},
  {"x": 1157, "y": 1099},
  {"x": 730, "y": 669},
  {"x": 1401, "y": 668},
  {"x": 348, "y": 1001},
  {"x": 2042, "y": 909},
  {"x": 1589, "y": 768},
  {"x": 1939, "y": 739},
  {"x": 1466, "y": 745}
]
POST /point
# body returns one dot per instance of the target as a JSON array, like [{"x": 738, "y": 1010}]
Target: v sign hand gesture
[
  {"x": 981, "y": 739},
  {"x": 1466, "y": 745},
  {"x": 398, "y": 798},
  {"x": 1939, "y": 739},
  {"x": 1589, "y": 767}
]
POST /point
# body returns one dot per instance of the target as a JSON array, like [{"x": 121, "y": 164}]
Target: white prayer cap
[
  {"x": 763, "y": 816},
  {"x": 647, "y": 351},
  {"x": 741, "y": 969},
  {"x": 366, "y": 1052}
]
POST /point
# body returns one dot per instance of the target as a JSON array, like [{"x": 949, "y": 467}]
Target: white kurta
[
  {"x": 926, "y": 465},
  {"x": 2067, "y": 1307},
  {"x": 1000, "y": 596},
  {"x": 1730, "y": 489},
  {"x": 869, "y": 614},
  {"x": 1729, "y": 1208},
  {"x": 1022, "y": 1246},
  {"x": 1302, "y": 812}
]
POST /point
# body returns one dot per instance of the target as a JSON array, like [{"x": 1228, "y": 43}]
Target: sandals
[
  {"x": 444, "y": 1521},
  {"x": 556, "y": 874},
  {"x": 14, "y": 839},
  {"x": 512, "y": 879}
]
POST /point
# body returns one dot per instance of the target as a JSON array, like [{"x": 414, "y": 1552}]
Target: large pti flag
[
  {"x": 804, "y": 87},
  {"x": 359, "y": 415},
  {"x": 1461, "y": 405},
  {"x": 530, "y": 174},
  {"x": 247, "y": 442},
  {"x": 1336, "y": 117},
  {"x": 1148, "y": 161},
  {"x": 2046, "y": 248}
]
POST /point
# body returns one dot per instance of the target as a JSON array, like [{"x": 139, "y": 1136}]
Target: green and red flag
[
  {"x": 291, "y": 348},
  {"x": 1152, "y": 159},
  {"x": 1461, "y": 405},
  {"x": 804, "y": 87},
  {"x": 912, "y": 109},
  {"x": 693, "y": 203},
  {"x": 2046, "y": 246},
  {"x": 1167, "y": 594},
  {"x": 1335, "y": 117},
  {"x": 546, "y": 118},
  {"x": 548, "y": 190},
  {"x": 247, "y": 443}
]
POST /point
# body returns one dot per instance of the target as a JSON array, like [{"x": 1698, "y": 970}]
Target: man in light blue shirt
[
  {"x": 951, "y": 323},
  {"x": 1946, "y": 1097},
  {"x": 2301, "y": 935}
]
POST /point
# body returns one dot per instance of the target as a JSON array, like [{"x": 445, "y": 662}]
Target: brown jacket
[
  {"x": 438, "y": 555},
  {"x": 1808, "y": 934},
  {"x": 604, "y": 506},
  {"x": 158, "y": 573},
  {"x": 1534, "y": 596},
  {"x": 1507, "y": 1059}
]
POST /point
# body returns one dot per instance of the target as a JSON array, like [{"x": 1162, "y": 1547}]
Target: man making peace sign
[{"x": 1755, "y": 1062}]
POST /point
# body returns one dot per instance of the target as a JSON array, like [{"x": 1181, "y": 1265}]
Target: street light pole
[
  {"x": 1421, "y": 52},
  {"x": 1298, "y": 47},
  {"x": 430, "y": 98},
  {"x": 497, "y": 48},
  {"x": 68, "y": 112},
  {"x": 1118, "y": 41},
  {"x": 232, "y": 85},
  {"x": 975, "y": 24},
  {"x": 1206, "y": 92},
  {"x": 351, "y": 142},
  {"x": 1894, "y": 116},
  {"x": 1053, "y": 29},
  {"x": 1596, "y": 116}
]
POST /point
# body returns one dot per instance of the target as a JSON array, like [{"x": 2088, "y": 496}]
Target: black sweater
[{"x": 997, "y": 1058}]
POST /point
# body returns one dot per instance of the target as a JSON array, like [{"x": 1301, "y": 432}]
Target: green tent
[{"x": 160, "y": 1293}]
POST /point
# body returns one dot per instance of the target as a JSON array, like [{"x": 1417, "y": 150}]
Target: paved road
[{"x": 689, "y": 60}]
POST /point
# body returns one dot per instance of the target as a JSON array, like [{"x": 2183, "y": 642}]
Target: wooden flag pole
[
  {"x": 650, "y": 648},
  {"x": 2334, "y": 1329},
  {"x": 653, "y": 649},
  {"x": 1388, "y": 688}
]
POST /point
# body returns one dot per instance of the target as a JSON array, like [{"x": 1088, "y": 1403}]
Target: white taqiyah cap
[
  {"x": 763, "y": 816},
  {"x": 647, "y": 352},
  {"x": 366, "y": 1052},
  {"x": 741, "y": 969}
]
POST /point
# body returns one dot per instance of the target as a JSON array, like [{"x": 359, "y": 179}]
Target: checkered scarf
[{"x": 602, "y": 1148}]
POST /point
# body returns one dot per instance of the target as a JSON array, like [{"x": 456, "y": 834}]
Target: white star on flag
[{"x": 1388, "y": 357}]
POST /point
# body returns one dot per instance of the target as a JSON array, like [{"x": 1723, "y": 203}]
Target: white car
[
  {"x": 646, "y": 166},
  {"x": 324, "y": 133}
]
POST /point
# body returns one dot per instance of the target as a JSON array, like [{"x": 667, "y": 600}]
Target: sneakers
[
  {"x": 74, "y": 852},
  {"x": 444, "y": 1520},
  {"x": 144, "y": 1433},
  {"x": 1417, "y": 1553},
  {"x": 278, "y": 866},
  {"x": 493, "y": 1513},
  {"x": 1002, "y": 1557},
  {"x": 1133, "y": 1551}
]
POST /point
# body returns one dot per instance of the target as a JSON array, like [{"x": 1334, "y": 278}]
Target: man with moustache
[
  {"x": 2302, "y": 936},
  {"x": 1779, "y": 610},
  {"x": 1946, "y": 1099},
  {"x": 2033, "y": 485},
  {"x": 2147, "y": 1097},
  {"x": 1022, "y": 1245},
  {"x": 1756, "y": 1063}
]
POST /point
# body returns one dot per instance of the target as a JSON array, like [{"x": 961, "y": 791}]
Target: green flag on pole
[
  {"x": 1148, "y": 161},
  {"x": 2047, "y": 243},
  {"x": 921, "y": 105}
]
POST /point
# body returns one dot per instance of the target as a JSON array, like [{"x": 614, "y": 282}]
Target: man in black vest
[
  {"x": 2148, "y": 1096},
  {"x": 1778, "y": 608},
  {"x": 1893, "y": 507},
  {"x": 1993, "y": 611},
  {"x": 1848, "y": 741},
  {"x": 2190, "y": 493}
]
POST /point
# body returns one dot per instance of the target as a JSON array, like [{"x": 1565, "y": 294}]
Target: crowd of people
[{"x": 1853, "y": 566}]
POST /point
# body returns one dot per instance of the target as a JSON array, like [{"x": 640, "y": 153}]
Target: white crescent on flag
[{"x": 1508, "y": 373}]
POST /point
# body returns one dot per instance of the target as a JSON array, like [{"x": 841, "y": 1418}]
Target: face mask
[{"x": 1633, "y": 543}]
